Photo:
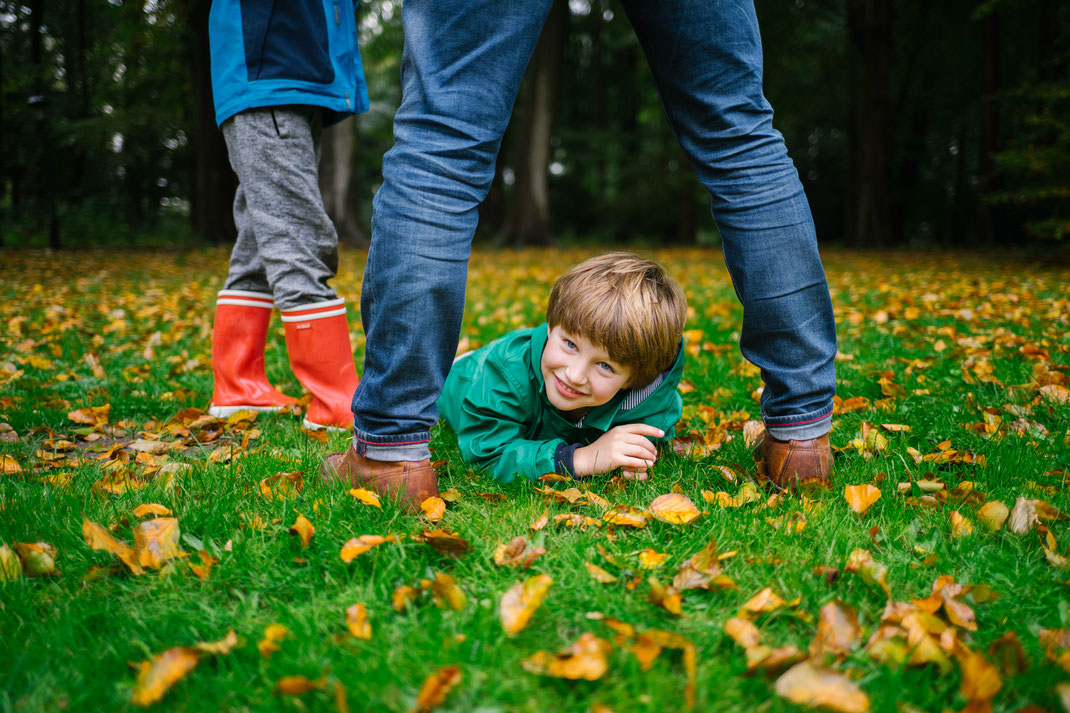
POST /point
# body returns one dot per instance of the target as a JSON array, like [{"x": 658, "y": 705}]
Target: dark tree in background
[{"x": 910, "y": 123}]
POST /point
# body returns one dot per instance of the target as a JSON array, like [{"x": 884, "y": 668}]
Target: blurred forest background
[{"x": 911, "y": 123}]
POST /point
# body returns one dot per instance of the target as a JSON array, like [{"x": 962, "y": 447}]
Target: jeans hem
[
  {"x": 800, "y": 428},
  {"x": 391, "y": 449}
]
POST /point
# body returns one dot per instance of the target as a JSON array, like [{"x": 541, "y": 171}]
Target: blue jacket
[{"x": 277, "y": 52}]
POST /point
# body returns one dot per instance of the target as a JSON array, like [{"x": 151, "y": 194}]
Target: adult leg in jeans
[
  {"x": 707, "y": 61},
  {"x": 461, "y": 67}
]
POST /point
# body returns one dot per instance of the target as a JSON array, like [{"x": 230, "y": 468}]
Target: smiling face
[{"x": 579, "y": 374}]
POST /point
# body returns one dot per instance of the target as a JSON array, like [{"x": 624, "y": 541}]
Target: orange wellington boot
[
  {"x": 321, "y": 357},
  {"x": 238, "y": 339}
]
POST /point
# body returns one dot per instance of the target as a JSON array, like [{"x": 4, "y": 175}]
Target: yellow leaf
[
  {"x": 861, "y": 562},
  {"x": 282, "y": 485},
  {"x": 585, "y": 659},
  {"x": 807, "y": 684},
  {"x": 223, "y": 646},
  {"x": 743, "y": 632},
  {"x": 151, "y": 509},
  {"x": 446, "y": 593},
  {"x": 626, "y": 515},
  {"x": 861, "y": 497},
  {"x": 165, "y": 670},
  {"x": 360, "y": 545},
  {"x": 303, "y": 529},
  {"x": 38, "y": 558},
  {"x": 651, "y": 559},
  {"x": 980, "y": 679},
  {"x": 10, "y": 566},
  {"x": 521, "y": 601},
  {"x": 665, "y": 597},
  {"x": 517, "y": 554},
  {"x": 9, "y": 466},
  {"x": 960, "y": 525},
  {"x": 366, "y": 496},
  {"x": 272, "y": 635},
  {"x": 156, "y": 541},
  {"x": 764, "y": 601},
  {"x": 448, "y": 544},
  {"x": 437, "y": 687},
  {"x": 838, "y": 631},
  {"x": 402, "y": 597},
  {"x": 357, "y": 621},
  {"x": 599, "y": 574},
  {"x": 674, "y": 508},
  {"x": 99, "y": 538},
  {"x": 434, "y": 508},
  {"x": 541, "y": 522}
]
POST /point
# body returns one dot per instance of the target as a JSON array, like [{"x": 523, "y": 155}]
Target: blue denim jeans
[{"x": 461, "y": 68}]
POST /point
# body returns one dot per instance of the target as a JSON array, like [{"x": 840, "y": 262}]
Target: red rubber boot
[
  {"x": 321, "y": 357},
  {"x": 238, "y": 339}
]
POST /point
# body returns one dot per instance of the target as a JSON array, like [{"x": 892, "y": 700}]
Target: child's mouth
[{"x": 566, "y": 390}]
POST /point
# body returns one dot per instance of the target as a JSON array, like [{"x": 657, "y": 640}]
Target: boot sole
[
  {"x": 224, "y": 411},
  {"x": 320, "y": 427}
]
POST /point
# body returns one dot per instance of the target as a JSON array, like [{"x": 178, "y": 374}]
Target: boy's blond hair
[{"x": 628, "y": 306}]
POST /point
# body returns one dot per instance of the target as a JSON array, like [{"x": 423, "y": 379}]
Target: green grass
[{"x": 66, "y": 640}]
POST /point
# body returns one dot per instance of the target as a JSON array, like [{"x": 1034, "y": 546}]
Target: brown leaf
[
  {"x": 99, "y": 538},
  {"x": 838, "y": 631},
  {"x": 447, "y": 544},
  {"x": 451, "y": 496},
  {"x": 303, "y": 529},
  {"x": 807, "y": 684},
  {"x": 773, "y": 661},
  {"x": 980, "y": 679},
  {"x": 296, "y": 685},
  {"x": 434, "y": 508},
  {"x": 521, "y": 601},
  {"x": 585, "y": 659},
  {"x": 1008, "y": 654},
  {"x": 437, "y": 687},
  {"x": 541, "y": 521},
  {"x": 743, "y": 632},
  {"x": 764, "y": 601},
  {"x": 366, "y": 496},
  {"x": 517, "y": 554},
  {"x": 861, "y": 562},
  {"x": 163, "y": 671},
  {"x": 357, "y": 621},
  {"x": 861, "y": 497},
  {"x": 1023, "y": 517},
  {"x": 92, "y": 416},
  {"x": 674, "y": 508},
  {"x": 359, "y": 545},
  {"x": 222, "y": 647},
  {"x": 156, "y": 541}
]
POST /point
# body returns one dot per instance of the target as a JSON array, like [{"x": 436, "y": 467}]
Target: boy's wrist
[{"x": 564, "y": 459}]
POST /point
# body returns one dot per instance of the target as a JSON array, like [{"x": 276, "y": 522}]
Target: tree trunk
[
  {"x": 335, "y": 177},
  {"x": 43, "y": 184},
  {"x": 529, "y": 215},
  {"x": 212, "y": 181},
  {"x": 868, "y": 222}
]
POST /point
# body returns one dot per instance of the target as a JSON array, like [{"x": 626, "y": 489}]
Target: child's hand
[{"x": 626, "y": 447}]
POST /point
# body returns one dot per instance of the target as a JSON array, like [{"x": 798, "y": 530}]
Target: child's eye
[
  {"x": 570, "y": 344},
  {"x": 605, "y": 367}
]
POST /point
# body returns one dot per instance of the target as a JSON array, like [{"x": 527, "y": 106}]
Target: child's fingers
[
  {"x": 634, "y": 474},
  {"x": 642, "y": 429}
]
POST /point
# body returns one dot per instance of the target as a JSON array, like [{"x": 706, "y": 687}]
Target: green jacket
[{"x": 495, "y": 401}]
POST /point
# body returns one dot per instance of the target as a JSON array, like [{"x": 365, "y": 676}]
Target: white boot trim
[
  {"x": 245, "y": 303},
  {"x": 307, "y": 317},
  {"x": 316, "y": 305}
]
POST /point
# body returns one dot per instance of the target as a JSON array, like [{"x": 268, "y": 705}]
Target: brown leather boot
[
  {"x": 409, "y": 482},
  {"x": 790, "y": 464}
]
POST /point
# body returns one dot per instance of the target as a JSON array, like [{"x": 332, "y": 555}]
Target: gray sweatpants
[{"x": 286, "y": 243}]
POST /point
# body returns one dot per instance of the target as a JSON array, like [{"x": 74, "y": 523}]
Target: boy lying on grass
[{"x": 590, "y": 391}]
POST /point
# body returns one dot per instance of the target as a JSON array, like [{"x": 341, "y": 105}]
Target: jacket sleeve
[
  {"x": 494, "y": 420},
  {"x": 663, "y": 413}
]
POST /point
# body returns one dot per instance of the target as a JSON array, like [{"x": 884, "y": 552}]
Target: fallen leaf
[
  {"x": 434, "y": 508},
  {"x": 585, "y": 659},
  {"x": 960, "y": 525},
  {"x": 303, "y": 529},
  {"x": 764, "y": 601},
  {"x": 541, "y": 521},
  {"x": 436, "y": 687},
  {"x": 359, "y": 545},
  {"x": 446, "y": 593},
  {"x": 282, "y": 485},
  {"x": 665, "y": 597},
  {"x": 447, "y": 544},
  {"x": 674, "y": 508},
  {"x": 155, "y": 677},
  {"x": 807, "y": 684},
  {"x": 1023, "y": 517},
  {"x": 861, "y": 562},
  {"x": 993, "y": 514},
  {"x": 366, "y": 496},
  {"x": 521, "y": 601},
  {"x": 626, "y": 515},
  {"x": 38, "y": 558},
  {"x": 838, "y": 631},
  {"x": 156, "y": 541},
  {"x": 599, "y": 574},
  {"x": 151, "y": 509},
  {"x": 1009, "y": 655},
  {"x": 10, "y": 566},
  {"x": 296, "y": 685},
  {"x": 402, "y": 597},
  {"x": 222, "y": 647},
  {"x": 651, "y": 559},
  {"x": 861, "y": 497},
  {"x": 743, "y": 632},
  {"x": 357, "y": 621},
  {"x": 272, "y": 634},
  {"x": 980, "y": 679},
  {"x": 517, "y": 554},
  {"x": 9, "y": 466},
  {"x": 99, "y": 538},
  {"x": 451, "y": 496}
]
